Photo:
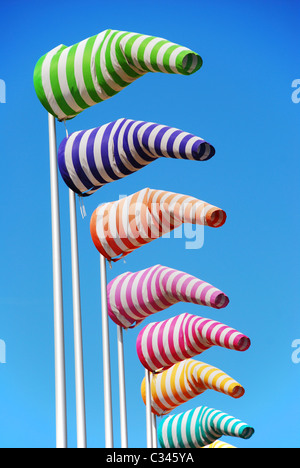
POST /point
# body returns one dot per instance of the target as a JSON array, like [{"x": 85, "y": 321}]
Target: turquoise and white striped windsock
[
  {"x": 200, "y": 427},
  {"x": 68, "y": 80},
  {"x": 89, "y": 159}
]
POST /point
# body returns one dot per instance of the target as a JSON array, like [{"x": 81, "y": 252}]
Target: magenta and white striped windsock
[
  {"x": 132, "y": 297},
  {"x": 161, "y": 344}
]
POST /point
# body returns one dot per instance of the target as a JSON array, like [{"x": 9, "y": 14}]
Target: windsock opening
[
  {"x": 215, "y": 217},
  {"x": 237, "y": 391},
  {"x": 247, "y": 432},
  {"x": 243, "y": 343},
  {"x": 203, "y": 152},
  {"x": 221, "y": 301},
  {"x": 188, "y": 63}
]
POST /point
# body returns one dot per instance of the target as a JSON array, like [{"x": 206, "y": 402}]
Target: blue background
[{"x": 240, "y": 101}]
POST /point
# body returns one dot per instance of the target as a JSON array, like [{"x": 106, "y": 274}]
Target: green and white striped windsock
[
  {"x": 200, "y": 427},
  {"x": 68, "y": 80}
]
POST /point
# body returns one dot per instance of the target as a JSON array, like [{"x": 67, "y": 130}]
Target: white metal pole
[
  {"x": 78, "y": 348},
  {"x": 60, "y": 372},
  {"x": 154, "y": 431},
  {"x": 106, "y": 359},
  {"x": 148, "y": 409},
  {"x": 122, "y": 389},
  {"x": 153, "y": 420}
]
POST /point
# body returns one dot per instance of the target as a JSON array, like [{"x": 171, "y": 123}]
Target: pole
[
  {"x": 122, "y": 389},
  {"x": 153, "y": 420},
  {"x": 78, "y": 348},
  {"x": 60, "y": 372},
  {"x": 148, "y": 409},
  {"x": 106, "y": 359},
  {"x": 154, "y": 430}
]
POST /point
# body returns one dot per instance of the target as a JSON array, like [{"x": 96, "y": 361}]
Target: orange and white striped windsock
[
  {"x": 160, "y": 345},
  {"x": 186, "y": 380},
  {"x": 120, "y": 227}
]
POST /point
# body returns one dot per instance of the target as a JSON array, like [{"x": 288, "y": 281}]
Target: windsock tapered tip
[
  {"x": 247, "y": 432},
  {"x": 243, "y": 343},
  {"x": 236, "y": 391},
  {"x": 215, "y": 217},
  {"x": 188, "y": 62},
  {"x": 220, "y": 300},
  {"x": 203, "y": 151}
]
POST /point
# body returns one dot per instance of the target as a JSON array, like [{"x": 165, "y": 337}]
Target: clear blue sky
[{"x": 240, "y": 101}]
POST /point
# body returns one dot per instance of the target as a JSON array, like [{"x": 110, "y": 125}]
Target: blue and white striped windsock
[
  {"x": 90, "y": 159},
  {"x": 68, "y": 80},
  {"x": 200, "y": 427}
]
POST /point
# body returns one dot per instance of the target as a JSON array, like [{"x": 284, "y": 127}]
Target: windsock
[
  {"x": 132, "y": 297},
  {"x": 120, "y": 227},
  {"x": 68, "y": 80},
  {"x": 200, "y": 427},
  {"x": 90, "y": 159},
  {"x": 186, "y": 380},
  {"x": 219, "y": 444},
  {"x": 159, "y": 345}
]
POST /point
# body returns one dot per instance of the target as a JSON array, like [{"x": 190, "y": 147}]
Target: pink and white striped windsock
[
  {"x": 161, "y": 344},
  {"x": 132, "y": 297}
]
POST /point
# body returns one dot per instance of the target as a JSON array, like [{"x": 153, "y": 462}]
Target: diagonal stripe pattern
[
  {"x": 132, "y": 297},
  {"x": 89, "y": 159},
  {"x": 219, "y": 444},
  {"x": 186, "y": 380},
  {"x": 120, "y": 227},
  {"x": 68, "y": 80},
  {"x": 199, "y": 428},
  {"x": 161, "y": 344}
]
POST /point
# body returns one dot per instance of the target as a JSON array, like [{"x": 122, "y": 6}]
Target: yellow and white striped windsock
[
  {"x": 186, "y": 380},
  {"x": 219, "y": 444},
  {"x": 68, "y": 80},
  {"x": 120, "y": 227}
]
